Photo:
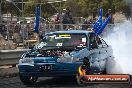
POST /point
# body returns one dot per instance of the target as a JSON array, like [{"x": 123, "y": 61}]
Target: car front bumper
[{"x": 58, "y": 69}]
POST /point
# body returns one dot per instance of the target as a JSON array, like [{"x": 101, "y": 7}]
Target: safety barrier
[{"x": 11, "y": 57}]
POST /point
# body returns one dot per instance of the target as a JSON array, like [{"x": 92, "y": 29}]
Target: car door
[
  {"x": 106, "y": 53},
  {"x": 103, "y": 55},
  {"x": 94, "y": 55}
]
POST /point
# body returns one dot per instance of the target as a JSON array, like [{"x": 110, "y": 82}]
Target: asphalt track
[{"x": 50, "y": 82}]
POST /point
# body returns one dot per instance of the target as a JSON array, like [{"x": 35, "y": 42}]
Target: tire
[
  {"x": 81, "y": 81},
  {"x": 86, "y": 63},
  {"x": 27, "y": 80}
]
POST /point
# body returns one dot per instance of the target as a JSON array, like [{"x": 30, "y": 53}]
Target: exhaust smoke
[{"x": 121, "y": 41}]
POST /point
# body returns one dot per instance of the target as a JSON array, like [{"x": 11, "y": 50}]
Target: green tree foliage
[
  {"x": 78, "y": 7},
  {"x": 91, "y": 7},
  {"x": 74, "y": 7},
  {"x": 29, "y": 8},
  {"x": 8, "y": 7}
]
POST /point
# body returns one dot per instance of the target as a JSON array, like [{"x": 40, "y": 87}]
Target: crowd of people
[{"x": 15, "y": 34}]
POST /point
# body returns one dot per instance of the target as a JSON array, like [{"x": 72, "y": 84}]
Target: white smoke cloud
[{"x": 121, "y": 42}]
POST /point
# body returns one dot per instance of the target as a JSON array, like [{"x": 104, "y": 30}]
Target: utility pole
[
  {"x": 22, "y": 8},
  {"x": 0, "y": 11},
  {"x": 60, "y": 14},
  {"x": 22, "y": 22}
]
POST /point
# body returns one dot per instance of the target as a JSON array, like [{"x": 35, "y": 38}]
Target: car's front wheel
[{"x": 28, "y": 79}]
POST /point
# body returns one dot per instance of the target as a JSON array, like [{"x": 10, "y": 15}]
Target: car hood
[{"x": 56, "y": 53}]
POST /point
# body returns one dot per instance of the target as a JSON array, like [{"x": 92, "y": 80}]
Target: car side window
[{"x": 92, "y": 41}]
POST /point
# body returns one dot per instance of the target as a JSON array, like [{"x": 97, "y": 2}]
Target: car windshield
[{"x": 65, "y": 40}]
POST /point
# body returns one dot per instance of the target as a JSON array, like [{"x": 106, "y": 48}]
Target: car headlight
[
  {"x": 64, "y": 59},
  {"x": 26, "y": 60}
]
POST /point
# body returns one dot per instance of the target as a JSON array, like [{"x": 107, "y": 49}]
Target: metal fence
[{"x": 15, "y": 36}]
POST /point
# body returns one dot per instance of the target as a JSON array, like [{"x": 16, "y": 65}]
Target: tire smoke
[{"x": 121, "y": 41}]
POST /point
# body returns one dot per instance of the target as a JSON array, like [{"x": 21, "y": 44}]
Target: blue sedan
[{"x": 61, "y": 53}]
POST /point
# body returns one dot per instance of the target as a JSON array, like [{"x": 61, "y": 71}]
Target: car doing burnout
[{"x": 61, "y": 53}]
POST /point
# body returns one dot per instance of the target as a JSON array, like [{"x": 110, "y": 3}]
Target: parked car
[{"x": 61, "y": 53}]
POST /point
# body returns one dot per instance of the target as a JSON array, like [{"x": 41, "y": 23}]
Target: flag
[
  {"x": 103, "y": 25},
  {"x": 37, "y": 19},
  {"x": 99, "y": 25}
]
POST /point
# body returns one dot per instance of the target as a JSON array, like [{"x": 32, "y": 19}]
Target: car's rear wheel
[
  {"x": 28, "y": 79},
  {"x": 86, "y": 64}
]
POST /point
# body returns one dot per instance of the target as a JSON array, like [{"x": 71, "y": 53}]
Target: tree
[
  {"x": 74, "y": 7},
  {"x": 78, "y": 7}
]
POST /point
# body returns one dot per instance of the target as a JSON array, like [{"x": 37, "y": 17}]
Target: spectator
[
  {"x": 57, "y": 18},
  {"x": 10, "y": 29},
  {"x": 3, "y": 30},
  {"x": 57, "y": 21},
  {"x": 17, "y": 28},
  {"x": 67, "y": 17},
  {"x": 87, "y": 23},
  {"x": 107, "y": 15}
]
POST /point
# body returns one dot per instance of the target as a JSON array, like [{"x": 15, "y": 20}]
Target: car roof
[{"x": 71, "y": 31}]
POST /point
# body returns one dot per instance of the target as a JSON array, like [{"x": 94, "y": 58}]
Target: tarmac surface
[
  {"x": 9, "y": 78},
  {"x": 50, "y": 82}
]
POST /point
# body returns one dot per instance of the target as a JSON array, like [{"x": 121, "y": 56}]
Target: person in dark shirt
[
  {"x": 67, "y": 17},
  {"x": 107, "y": 15}
]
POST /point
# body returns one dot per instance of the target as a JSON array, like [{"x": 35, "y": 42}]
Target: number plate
[{"x": 45, "y": 67}]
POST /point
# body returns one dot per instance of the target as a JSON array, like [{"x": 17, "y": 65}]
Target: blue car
[{"x": 61, "y": 53}]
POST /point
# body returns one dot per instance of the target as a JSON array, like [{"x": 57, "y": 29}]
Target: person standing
[{"x": 67, "y": 18}]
